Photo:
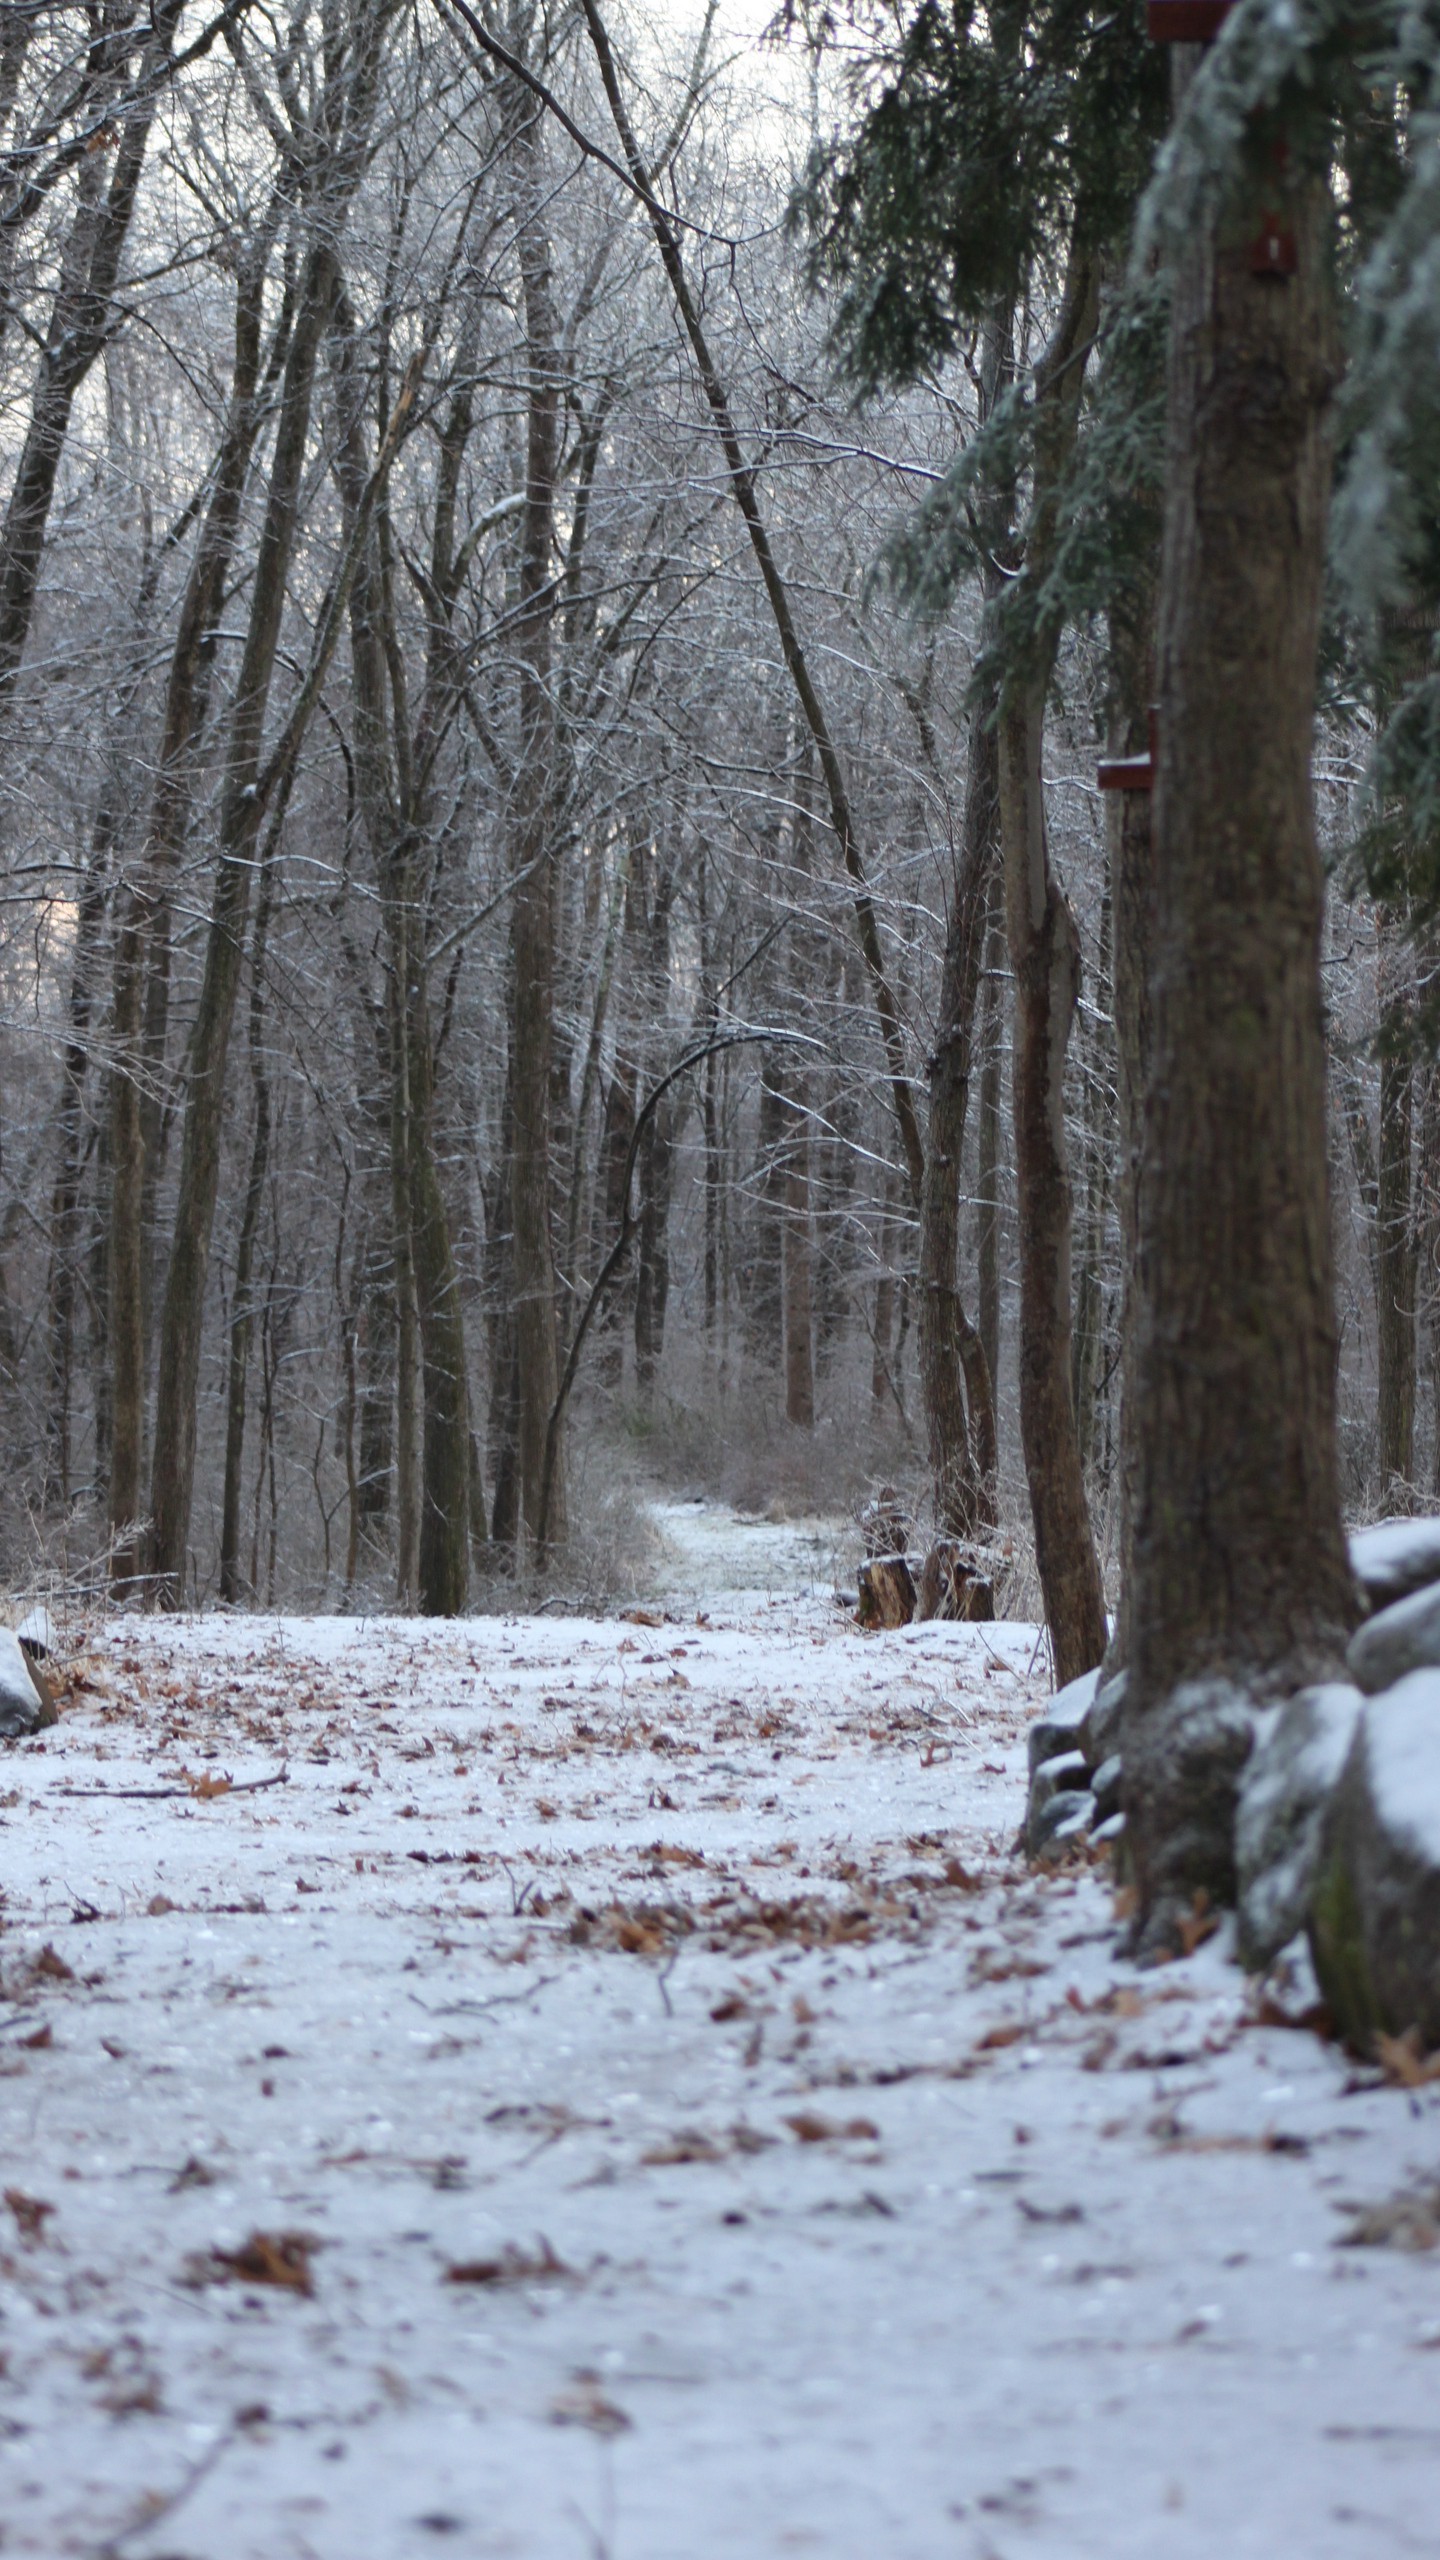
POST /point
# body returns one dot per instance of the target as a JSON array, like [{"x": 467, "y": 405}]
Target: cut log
[
  {"x": 887, "y": 1593},
  {"x": 950, "y": 1587}
]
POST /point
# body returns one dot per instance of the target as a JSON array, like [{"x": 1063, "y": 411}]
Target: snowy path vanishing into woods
[{"x": 706, "y": 2141}]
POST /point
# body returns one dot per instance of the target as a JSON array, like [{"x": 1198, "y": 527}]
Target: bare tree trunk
[
  {"x": 955, "y": 1382},
  {"x": 987, "y": 1224},
  {"x": 173, "y": 1467},
  {"x": 532, "y": 926},
  {"x": 1045, "y": 963},
  {"x": 242, "y": 1312},
  {"x": 65, "y": 1198},
  {"x": 1132, "y": 873},
  {"x": 142, "y": 896},
  {"x": 1242, "y": 1587},
  {"x": 1097, "y": 1120},
  {"x": 1395, "y": 1229}
]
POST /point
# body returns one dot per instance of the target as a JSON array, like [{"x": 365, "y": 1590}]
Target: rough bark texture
[
  {"x": 1395, "y": 1229},
  {"x": 533, "y": 939},
  {"x": 987, "y": 1221},
  {"x": 1045, "y": 964},
  {"x": 1241, "y": 1585},
  {"x": 173, "y": 1470},
  {"x": 141, "y": 902},
  {"x": 955, "y": 1378},
  {"x": 1132, "y": 878}
]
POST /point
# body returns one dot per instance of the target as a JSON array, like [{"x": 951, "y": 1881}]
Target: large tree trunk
[
  {"x": 988, "y": 1145},
  {"x": 1241, "y": 1583},
  {"x": 144, "y": 893},
  {"x": 1131, "y": 853},
  {"x": 532, "y": 928},
  {"x": 1045, "y": 963},
  {"x": 242, "y": 1305},
  {"x": 1395, "y": 1227},
  {"x": 173, "y": 1469},
  {"x": 955, "y": 1381}
]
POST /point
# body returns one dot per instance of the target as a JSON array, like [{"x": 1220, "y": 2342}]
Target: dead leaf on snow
[
  {"x": 682, "y": 2147},
  {"x": 202, "y": 1785},
  {"x": 1404, "y": 2059},
  {"x": 809, "y": 2126},
  {"x": 1009, "y": 2031},
  {"x": 512, "y": 2265},
  {"x": 268, "y": 2257},
  {"x": 29, "y": 2211}
]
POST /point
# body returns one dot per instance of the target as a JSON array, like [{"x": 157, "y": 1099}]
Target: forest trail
[{"x": 825, "y": 2182}]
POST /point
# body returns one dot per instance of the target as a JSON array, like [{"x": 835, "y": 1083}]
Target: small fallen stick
[{"x": 231, "y": 1787}]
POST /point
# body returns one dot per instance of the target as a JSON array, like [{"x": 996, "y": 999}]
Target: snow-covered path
[{"x": 824, "y": 2182}]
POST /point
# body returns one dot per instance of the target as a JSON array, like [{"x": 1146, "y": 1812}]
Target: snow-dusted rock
[
  {"x": 1068, "y": 1816},
  {"x": 1395, "y": 1558},
  {"x": 1100, "y": 1727},
  {"x": 36, "y": 1631},
  {"x": 1060, "y": 1727},
  {"x": 21, "y": 1708},
  {"x": 1105, "y": 1785},
  {"x": 1403, "y": 1638},
  {"x": 1284, "y": 1791},
  {"x": 1375, "y": 1901},
  {"x": 1066, "y": 1770}
]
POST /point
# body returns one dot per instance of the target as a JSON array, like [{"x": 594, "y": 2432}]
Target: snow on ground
[{"x": 705, "y": 2140}]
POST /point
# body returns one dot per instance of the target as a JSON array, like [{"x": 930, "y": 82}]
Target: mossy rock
[{"x": 1374, "y": 1918}]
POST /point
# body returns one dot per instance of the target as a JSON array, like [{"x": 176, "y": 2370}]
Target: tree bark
[
  {"x": 532, "y": 925},
  {"x": 1045, "y": 964},
  {"x": 987, "y": 1223},
  {"x": 1241, "y": 1584},
  {"x": 142, "y": 896},
  {"x": 1395, "y": 1228},
  {"x": 173, "y": 1468},
  {"x": 955, "y": 1380}
]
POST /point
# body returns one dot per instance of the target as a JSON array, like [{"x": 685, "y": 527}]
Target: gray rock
[
  {"x": 1375, "y": 1901},
  {"x": 1285, "y": 1789},
  {"x": 21, "y": 1708},
  {"x": 1395, "y": 1558},
  {"x": 1105, "y": 1786},
  {"x": 1059, "y": 1728},
  {"x": 1111, "y": 1829},
  {"x": 1068, "y": 1816},
  {"x": 1100, "y": 1726},
  {"x": 1403, "y": 1638},
  {"x": 1067, "y": 1769}
]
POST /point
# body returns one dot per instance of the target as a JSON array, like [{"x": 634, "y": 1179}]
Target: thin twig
[{"x": 245, "y": 1787}]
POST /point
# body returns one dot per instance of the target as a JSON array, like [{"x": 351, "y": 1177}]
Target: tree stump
[
  {"x": 950, "y": 1587},
  {"x": 887, "y": 1593}
]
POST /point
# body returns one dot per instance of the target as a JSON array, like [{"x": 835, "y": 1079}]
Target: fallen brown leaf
[
  {"x": 514, "y": 2266},
  {"x": 809, "y": 2126},
  {"x": 30, "y": 2213},
  {"x": 270, "y": 2257},
  {"x": 1404, "y": 2060}
]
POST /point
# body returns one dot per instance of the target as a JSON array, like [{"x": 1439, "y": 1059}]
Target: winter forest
[{"x": 719, "y": 922}]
